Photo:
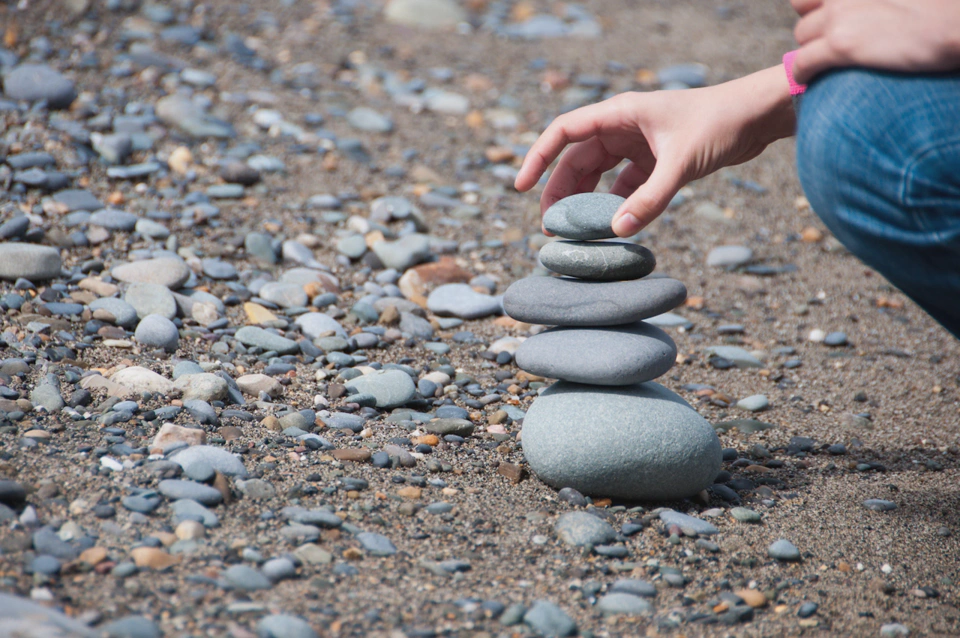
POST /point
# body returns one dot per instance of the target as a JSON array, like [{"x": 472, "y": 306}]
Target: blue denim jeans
[{"x": 879, "y": 160}]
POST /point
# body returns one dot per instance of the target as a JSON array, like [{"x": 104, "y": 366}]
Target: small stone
[
  {"x": 246, "y": 578},
  {"x": 151, "y": 299},
  {"x": 729, "y": 256},
  {"x": 364, "y": 118},
  {"x": 879, "y": 505},
  {"x": 752, "y": 597},
  {"x": 685, "y": 521},
  {"x": 255, "y": 336},
  {"x": 583, "y": 216},
  {"x": 634, "y": 588},
  {"x": 784, "y": 550},
  {"x": 580, "y": 528},
  {"x": 130, "y": 627},
  {"x": 284, "y": 295},
  {"x": 254, "y": 384},
  {"x": 745, "y": 515},
  {"x": 202, "y": 387},
  {"x": 431, "y": 14},
  {"x": 164, "y": 271},
  {"x": 177, "y": 489},
  {"x": 156, "y": 331},
  {"x": 391, "y": 388},
  {"x": 807, "y": 609},
  {"x": 443, "y": 427},
  {"x": 600, "y": 261},
  {"x": 214, "y": 457},
  {"x": 141, "y": 380},
  {"x": 284, "y": 626},
  {"x": 754, "y": 403},
  {"x": 460, "y": 300},
  {"x": 171, "y": 434},
  {"x": 190, "y": 531},
  {"x": 894, "y": 630},
  {"x": 153, "y": 558},
  {"x": 547, "y": 619},
  {"x": 623, "y": 604},
  {"x": 736, "y": 355},
  {"x": 35, "y": 82},
  {"x": 376, "y": 544},
  {"x": 403, "y": 253}
]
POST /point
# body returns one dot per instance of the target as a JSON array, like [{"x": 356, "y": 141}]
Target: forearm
[{"x": 774, "y": 116}]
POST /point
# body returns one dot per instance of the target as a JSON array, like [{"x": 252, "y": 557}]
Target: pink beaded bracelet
[{"x": 795, "y": 89}]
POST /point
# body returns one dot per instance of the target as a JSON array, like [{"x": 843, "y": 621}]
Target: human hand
[
  {"x": 893, "y": 35},
  {"x": 669, "y": 137}
]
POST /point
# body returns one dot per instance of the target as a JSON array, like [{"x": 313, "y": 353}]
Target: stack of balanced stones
[{"x": 606, "y": 429}]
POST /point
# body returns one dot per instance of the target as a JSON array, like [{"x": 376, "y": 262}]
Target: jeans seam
[{"x": 908, "y": 172}]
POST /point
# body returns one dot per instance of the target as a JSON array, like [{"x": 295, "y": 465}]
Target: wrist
[{"x": 774, "y": 118}]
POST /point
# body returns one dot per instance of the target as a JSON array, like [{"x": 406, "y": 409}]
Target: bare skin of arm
[{"x": 670, "y": 138}]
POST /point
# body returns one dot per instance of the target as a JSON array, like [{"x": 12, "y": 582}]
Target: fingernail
[{"x": 626, "y": 225}]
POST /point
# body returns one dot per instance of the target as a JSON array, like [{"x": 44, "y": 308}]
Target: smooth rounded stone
[
  {"x": 113, "y": 219},
  {"x": 547, "y": 619},
  {"x": 170, "y": 272},
  {"x": 618, "y": 355},
  {"x": 142, "y": 503},
  {"x": 182, "y": 112},
  {"x": 835, "y": 339},
  {"x": 634, "y": 588},
  {"x": 392, "y": 388},
  {"x": 156, "y": 331},
  {"x": 187, "y": 510},
  {"x": 879, "y": 505},
  {"x": 246, "y": 578},
  {"x": 124, "y": 314},
  {"x": 47, "y": 395},
  {"x": 364, "y": 118},
  {"x": 580, "y": 528},
  {"x": 599, "y": 261},
  {"x": 403, "y": 253},
  {"x": 700, "y": 526},
  {"x": 284, "y": 295},
  {"x": 460, "y": 300},
  {"x": 184, "y": 368},
  {"x": 583, "y": 216},
  {"x": 745, "y": 515},
  {"x": 729, "y": 256},
  {"x": 254, "y": 384},
  {"x": 255, "y": 336},
  {"x": 315, "y": 517},
  {"x": 555, "y": 301},
  {"x": 623, "y": 604},
  {"x": 278, "y": 569},
  {"x": 28, "y": 261},
  {"x": 431, "y": 14},
  {"x": 284, "y": 626},
  {"x": 894, "y": 630},
  {"x": 314, "y": 324},
  {"x": 44, "y": 564},
  {"x": 640, "y": 442},
  {"x": 419, "y": 327},
  {"x": 176, "y": 489},
  {"x": 376, "y": 544},
  {"x": 15, "y": 227},
  {"x": 151, "y": 299},
  {"x": 139, "y": 379},
  {"x": 736, "y": 355},
  {"x": 260, "y": 246},
  {"x": 353, "y": 246},
  {"x": 807, "y": 609},
  {"x": 35, "y": 82},
  {"x": 151, "y": 229},
  {"x": 443, "y": 427},
  {"x": 130, "y": 627},
  {"x": 217, "y": 458},
  {"x": 784, "y": 550},
  {"x": 754, "y": 403},
  {"x": 205, "y": 386},
  {"x": 23, "y": 617},
  {"x": 234, "y": 172}
]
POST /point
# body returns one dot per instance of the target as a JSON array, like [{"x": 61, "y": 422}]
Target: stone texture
[
  {"x": 29, "y": 261},
  {"x": 165, "y": 271},
  {"x": 617, "y": 355},
  {"x": 34, "y": 82},
  {"x": 571, "y": 302},
  {"x": 598, "y": 261},
  {"x": 637, "y": 443},
  {"x": 583, "y": 216},
  {"x": 460, "y": 300},
  {"x": 391, "y": 388}
]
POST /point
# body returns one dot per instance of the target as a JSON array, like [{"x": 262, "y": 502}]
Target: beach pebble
[
  {"x": 461, "y": 300},
  {"x": 601, "y": 261},
  {"x": 583, "y": 216},
  {"x": 157, "y": 331},
  {"x": 28, "y": 261}
]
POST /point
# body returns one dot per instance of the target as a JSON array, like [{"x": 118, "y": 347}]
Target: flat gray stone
[
  {"x": 581, "y": 528},
  {"x": 460, "y": 300},
  {"x": 557, "y": 301},
  {"x": 376, "y": 544},
  {"x": 729, "y": 256},
  {"x": 391, "y": 388},
  {"x": 246, "y": 578},
  {"x": 285, "y": 626},
  {"x": 29, "y": 261},
  {"x": 35, "y": 82},
  {"x": 598, "y": 261},
  {"x": 314, "y": 324},
  {"x": 623, "y": 604},
  {"x": 784, "y": 550},
  {"x": 547, "y": 619},
  {"x": 430, "y": 14},
  {"x": 284, "y": 295},
  {"x": 442, "y": 427},
  {"x": 638, "y": 443},
  {"x": 124, "y": 314},
  {"x": 634, "y": 587},
  {"x": 700, "y": 526},
  {"x": 164, "y": 271},
  {"x": 254, "y": 336},
  {"x": 364, "y": 118},
  {"x": 583, "y": 216},
  {"x": 177, "y": 489},
  {"x": 736, "y": 355},
  {"x": 879, "y": 505},
  {"x": 617, "y": 355},
  {"x": 130, "y": 627},
  {"x": 180, "y": 111},
  {"x": 403, "y": 253},
  {"x": 217, "y": 458}
]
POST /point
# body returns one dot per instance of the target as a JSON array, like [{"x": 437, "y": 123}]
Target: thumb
[{"x": 649, "y": 200}]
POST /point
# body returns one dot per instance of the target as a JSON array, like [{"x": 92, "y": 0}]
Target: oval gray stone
[
  {"x": 784, "y": 550},
  {"x": 460, "y": 300},
  {"x": 34, "y": 82},
  {"x": 254, "y": 336},
  {"x": 176, "y": 489},
  {"x": 619, "y": 603},
  {"x": 158, "y": 332},
  {"x": 556, "y": 301},
  {"x": 583, "y": 216},
  {"x": 29, "y": 261},
  {"x": 123, "y": 313},
  {"x": 599, "y": 261},
  {"x": 151, "y": 299},
  {"x": 165, "y": 271},
  {"x": 391, "y": 388},
  {"x": 618, "y": 355},
  {"x": 581, "y": 528},
  {"x": 407, "y": 251},
  {"x": 284, "y": 626},
  {"x": 638, "y": 443},
  {"x": 217, "y": 458}
]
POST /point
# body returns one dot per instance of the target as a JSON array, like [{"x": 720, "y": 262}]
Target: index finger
[{"x": 576, "y": 126}]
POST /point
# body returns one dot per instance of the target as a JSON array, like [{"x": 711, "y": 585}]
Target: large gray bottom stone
[
  {"x": 638, "y": 443},
  {"x": 618, "y": 355},
  {"x": 557, "y": 301}
]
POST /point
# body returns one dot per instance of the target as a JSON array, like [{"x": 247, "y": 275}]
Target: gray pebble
[
  {"x": 583, "y": 216},
  {"x": 600, "y": 261}
]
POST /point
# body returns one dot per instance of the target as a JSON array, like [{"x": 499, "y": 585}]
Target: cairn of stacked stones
[{"x": 606, "y": 428}]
